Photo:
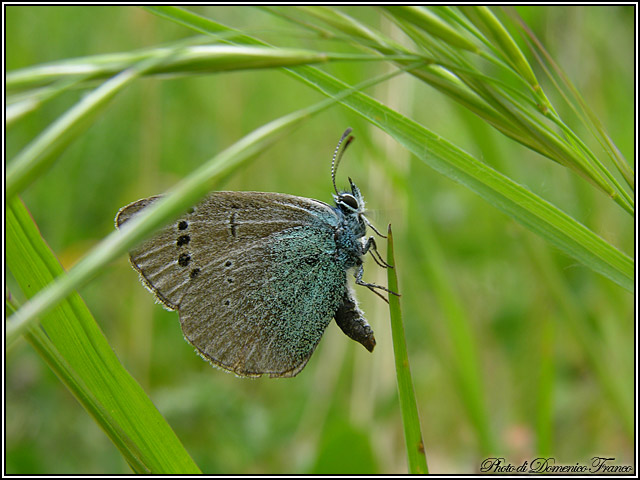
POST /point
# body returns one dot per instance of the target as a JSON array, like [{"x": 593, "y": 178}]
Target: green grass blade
[
  {"x": 48, "y": 352},
  {"x": 19, "y": 105},
  {"x": 484, "y": 19},
  {"x": 183, "y": 59},
  {"x": 40, "y": 153},
  {"x": 80, "y": 355},
  {"x": 517, "y": 119},
  {"x": 579, "y": 106},
  {"x": 189, "y": 60},
  {"x": 429, "y": 22},
  {"x": 416, "y": 455}
]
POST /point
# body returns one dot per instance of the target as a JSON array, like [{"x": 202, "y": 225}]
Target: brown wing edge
[
  {"x": 124, "y": 214},
  {"x": 245, "y": 374}
]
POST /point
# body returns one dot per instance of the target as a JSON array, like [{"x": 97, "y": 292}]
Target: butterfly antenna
[{"x": 337, "y": 156}]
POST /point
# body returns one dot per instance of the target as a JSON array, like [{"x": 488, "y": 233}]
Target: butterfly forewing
[{"x": 253, "y": 275}]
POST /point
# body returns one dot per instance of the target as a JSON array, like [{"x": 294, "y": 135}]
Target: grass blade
[
  {"x": 408, "y": 407},
  {"x": 189, "y": 60},
  {"x": 77, "y": 351}
]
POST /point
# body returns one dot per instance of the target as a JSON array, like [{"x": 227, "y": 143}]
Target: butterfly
[{"x": 256, "y": 277}]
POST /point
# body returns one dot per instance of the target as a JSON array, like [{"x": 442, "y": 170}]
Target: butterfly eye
[{"x": 349, "y": 200}]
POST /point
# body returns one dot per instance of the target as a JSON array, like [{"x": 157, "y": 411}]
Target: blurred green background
[{"x": 545, "y": 391}]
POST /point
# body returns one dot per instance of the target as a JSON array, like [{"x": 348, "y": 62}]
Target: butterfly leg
[
  {"x": 372, "y": 286},
  {"x": 370, "y": 225},
  {"x": 351, "y": 321},
  {"x": 371, "y": 247}
]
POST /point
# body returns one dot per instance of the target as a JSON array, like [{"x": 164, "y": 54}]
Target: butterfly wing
[{"x": 254, "y": 276}]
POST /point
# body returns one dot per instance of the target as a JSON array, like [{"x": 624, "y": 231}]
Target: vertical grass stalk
[{"x": 416, "y": 456}]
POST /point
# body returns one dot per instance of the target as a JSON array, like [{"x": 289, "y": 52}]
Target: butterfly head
[{"x": 351, "y": 204}]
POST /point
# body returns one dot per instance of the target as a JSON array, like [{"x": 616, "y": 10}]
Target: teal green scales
[{"x": 257, "y": 277}]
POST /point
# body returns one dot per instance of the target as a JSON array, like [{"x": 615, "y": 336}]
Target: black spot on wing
[
  {"x": 183, "y": 240},
  {"x": 184, "y": 259}
]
